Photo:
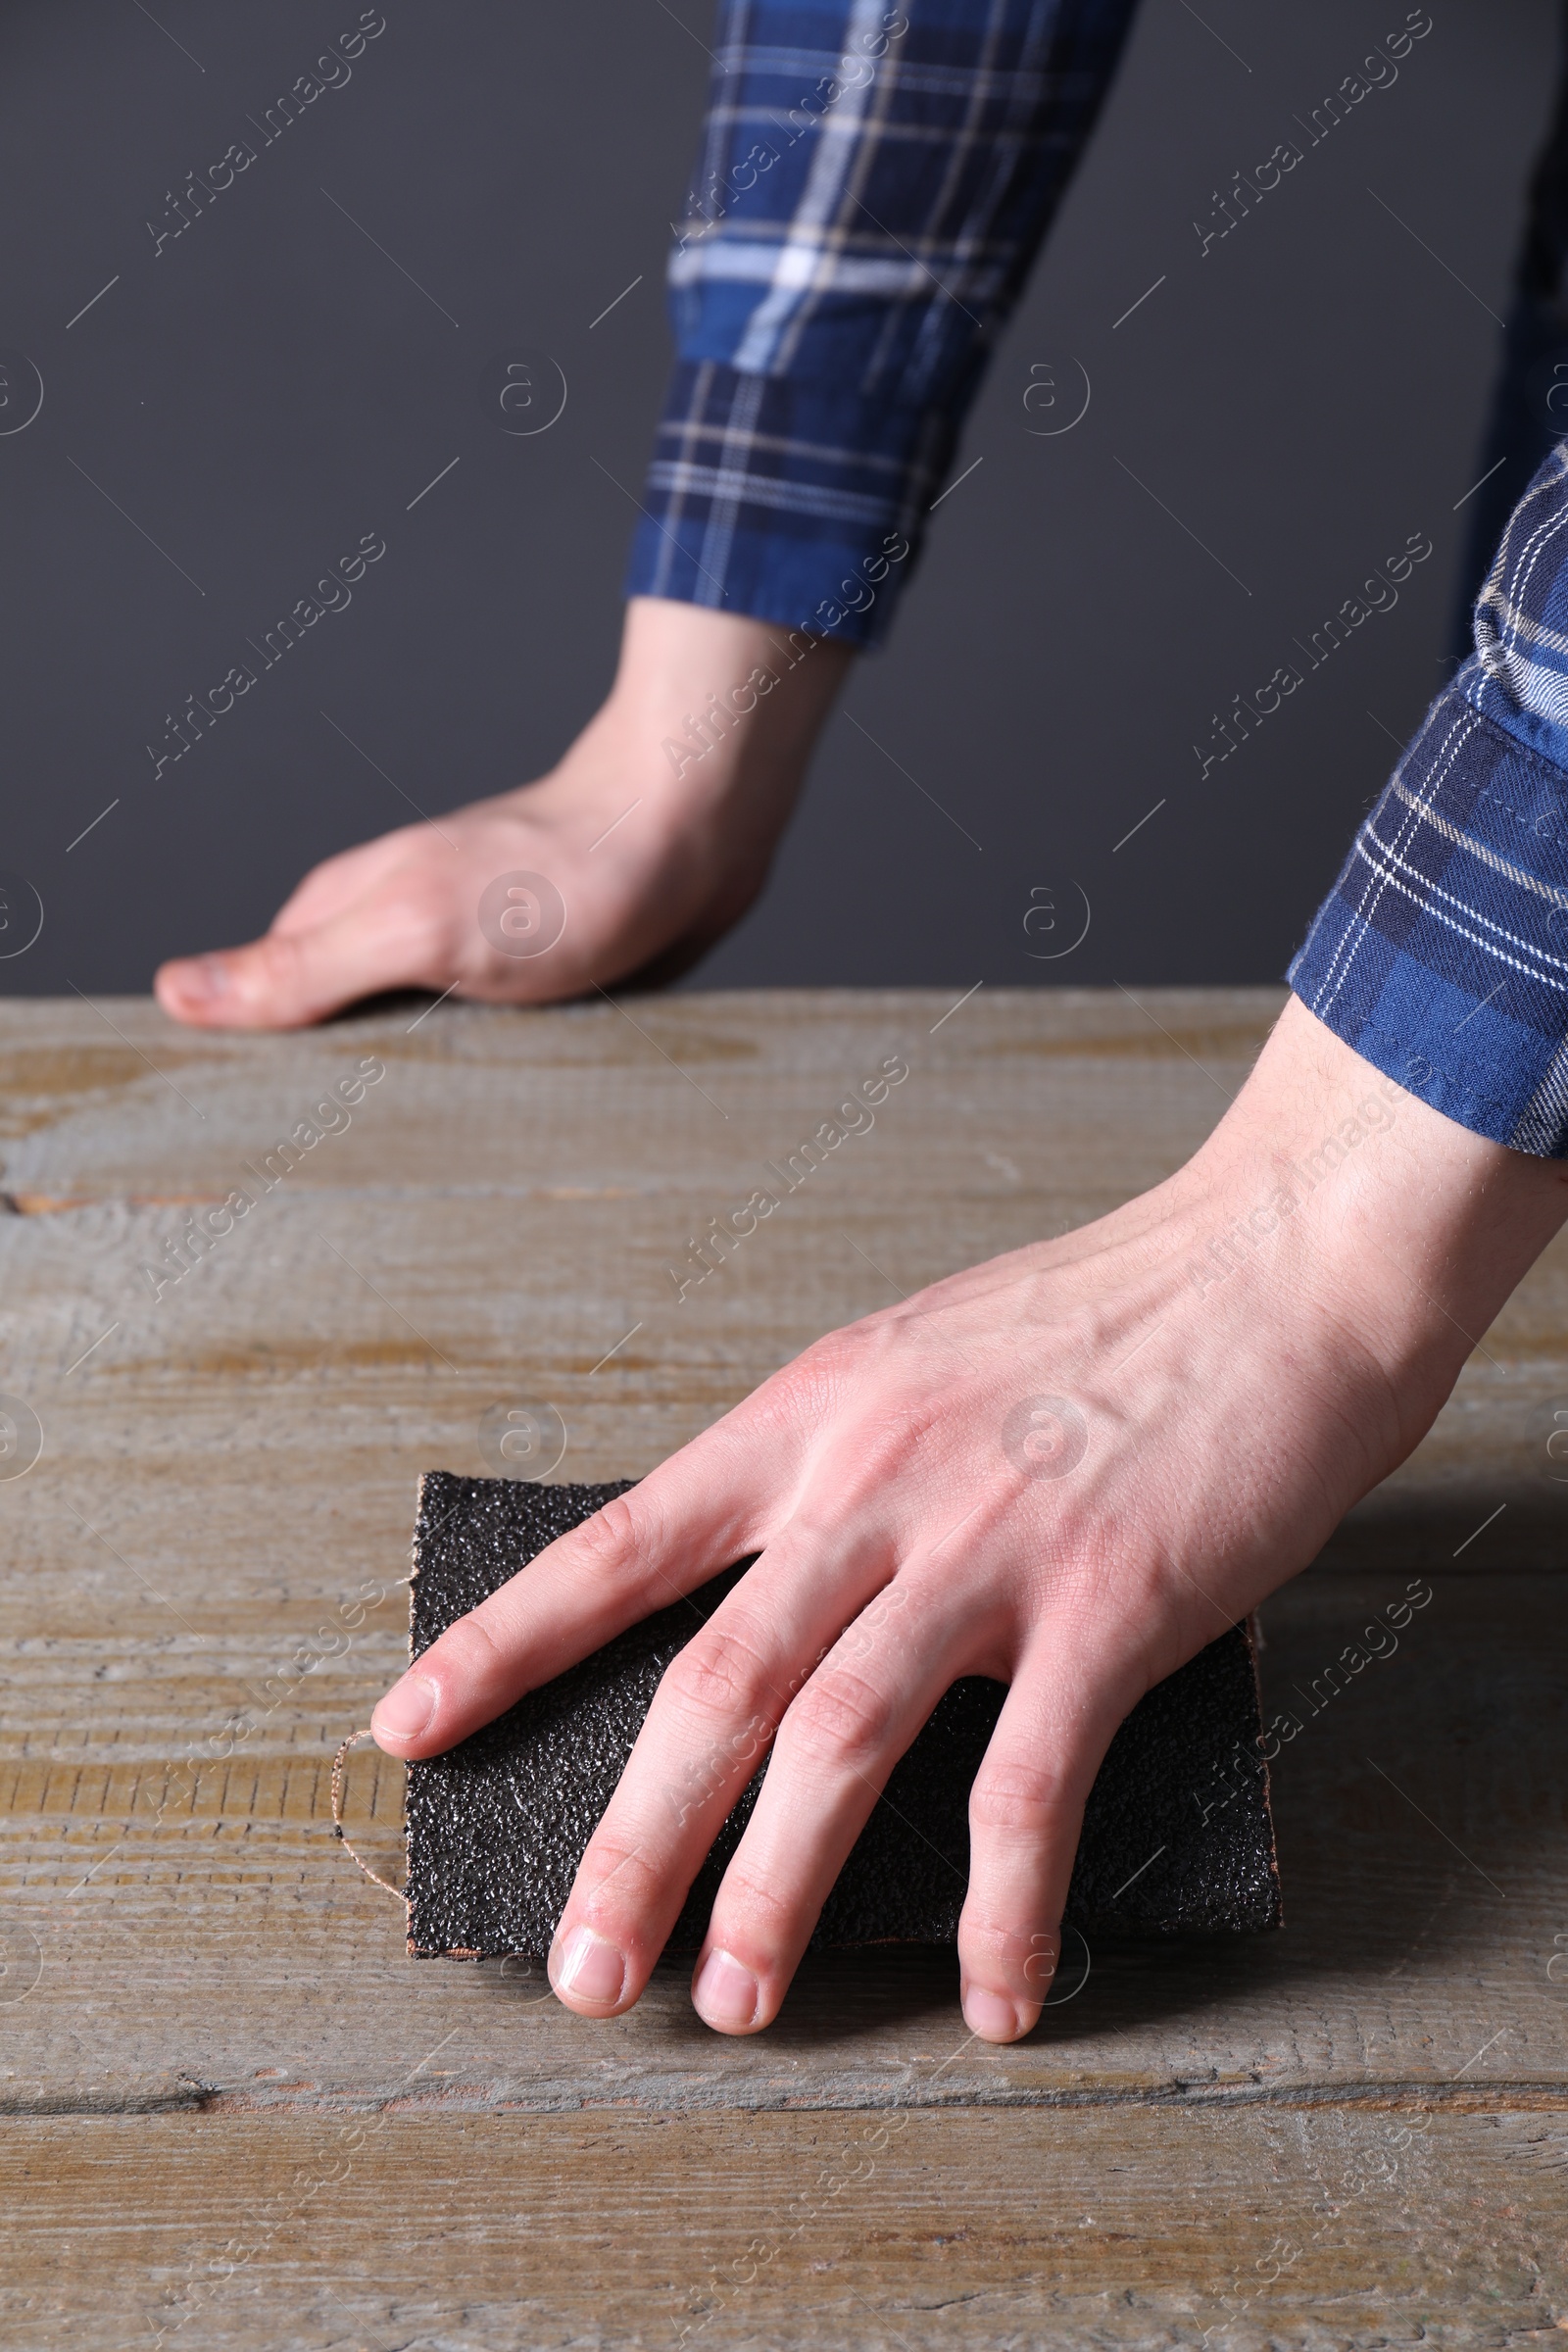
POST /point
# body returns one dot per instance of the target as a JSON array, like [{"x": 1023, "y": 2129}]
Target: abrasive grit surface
[{"x": 1177, "y": 1834}]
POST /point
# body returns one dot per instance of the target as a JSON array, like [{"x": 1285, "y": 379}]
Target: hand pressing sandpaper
[{"x": 1177, "y": 1834}]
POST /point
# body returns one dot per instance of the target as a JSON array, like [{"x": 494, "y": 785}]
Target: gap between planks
[{"x": 212, "y": 2099}]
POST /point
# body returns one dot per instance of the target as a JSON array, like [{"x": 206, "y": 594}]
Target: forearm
[
  {"x": 711, "y": 720},
  {"x": 1326, "y": 1182},
  {"x": 711, "y": 696}
]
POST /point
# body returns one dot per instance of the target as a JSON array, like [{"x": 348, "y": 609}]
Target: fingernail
[
  {"x": 407, "y": 1709},
  {"x": 725, "y": 1994},
  {"x": 203, "y": 979},
  {"x": 991, "y": 2015},
  {"x": 589, "y": 1967}
]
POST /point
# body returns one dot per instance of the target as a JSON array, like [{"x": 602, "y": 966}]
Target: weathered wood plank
[
  {"x": 1424, "y": 1896},
  {"x": 1375, "y": 2228},
  {"x": 227, "y": 1491},
  {"x": 518, "y": 1186},
  {"x": 199, "y": 1594}
]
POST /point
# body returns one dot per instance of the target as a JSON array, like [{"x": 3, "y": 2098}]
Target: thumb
[{"x": 288, "y": 979}]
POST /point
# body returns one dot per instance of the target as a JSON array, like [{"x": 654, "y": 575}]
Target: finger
[
  {"x": 711, "y": 1721},
  {"x": 401, "y": 934},
  {"x": 1026, "y": 1809},
  {"x": 334, "y": 885},
  {"x": 701, "y": 1511},
  {"x": 834, "y": 1751}
]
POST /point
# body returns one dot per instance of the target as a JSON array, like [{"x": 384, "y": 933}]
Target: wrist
[
  {"x": 1406, "y": 1230},
  {"x": 702, "y": 701}
]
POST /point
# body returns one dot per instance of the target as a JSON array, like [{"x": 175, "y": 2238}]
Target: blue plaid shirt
[
  {"x": 873, "y": 188},
  {"x": 1442, "y": 952}
]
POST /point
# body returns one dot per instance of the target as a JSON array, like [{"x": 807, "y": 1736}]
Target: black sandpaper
[{"x": 1177, "y": 1835}]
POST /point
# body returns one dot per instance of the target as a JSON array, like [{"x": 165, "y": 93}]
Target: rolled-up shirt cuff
[
  {"x": 793, "y": 502},
  {"x": 1441, "y": 956}
]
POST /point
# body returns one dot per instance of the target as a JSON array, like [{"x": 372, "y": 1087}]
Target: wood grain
[
  {"x": 200, "y": 1595},
  {"x": 1138, "y": 2228},
  {"x": 1423, "y": 1890}
]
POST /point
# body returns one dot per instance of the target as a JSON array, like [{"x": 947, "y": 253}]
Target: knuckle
[
  {"x": 618, "y": 1879},
  {"x": 811, "y": 1384},
  {"x": 840, "y": 1719},
  {"x": 615, "y": 1545},
  {"x": 1027, "y": 1957},
  {"x": 830, "y": 1356},
  {"x": 417, "y": 912},
  {"x": 1012, "y": 1794},
  {"x": 752, "y": 1919},
  {"x": 466, "y": 1652},
  {"x": 860, "y": 1639},
  {"x": 719, "y": 1673},
  {"x": 277, "y": 960}
]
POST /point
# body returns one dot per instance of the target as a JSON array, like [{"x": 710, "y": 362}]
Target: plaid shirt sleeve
[
  {"x": 872, "y": 185},
  {"x": 1442, "y": 954}
]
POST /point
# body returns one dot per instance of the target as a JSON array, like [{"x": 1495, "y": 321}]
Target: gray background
[{"x": 272, "y": 386}]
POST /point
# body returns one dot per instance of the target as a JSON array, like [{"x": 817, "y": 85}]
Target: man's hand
[
  {"x": 646, "y": 865},
  {"x": 1069, "y": 1470}
]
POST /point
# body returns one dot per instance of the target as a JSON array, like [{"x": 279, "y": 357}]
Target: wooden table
[{"x": 237, "y": 2115}]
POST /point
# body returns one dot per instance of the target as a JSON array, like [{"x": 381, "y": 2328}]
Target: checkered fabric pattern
[
  {"x": 1442, "y": 954},
  {"x": 872, "y": 186}
]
